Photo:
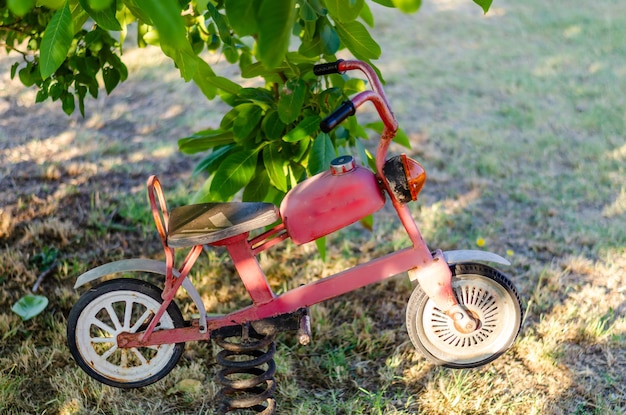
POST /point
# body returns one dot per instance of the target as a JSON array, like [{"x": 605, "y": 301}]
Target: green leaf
[
  {"x": 230, "y": 53},
  {"x": 354, "y": 128},
  {"x": 311, "y": 48},
  {"x": 205, "y": 140},
  {"x": 20, "y": 7},
  {"x": 275, "y": 19},
  {"x": 358, "y": 40},
  {"x": 291, "y": 101},
  {"x": 485, "y": 4},
  {"x": 228, "y": 120},
  {"x": 14, "y": 69},
  {"x": 104, "y": 17},
  {"x": 50, "y": 4},
  {"x": 67, "y": 103},
  {"x": 56, "y": 41},
  {"x": 221, "y": 22},
  {"x": 308, "y": 12},
  {"x": 362, "y": 153},
  {"x": 366, "y": 15},
  {"x": 344, "y": 11},
  {"x": 274, "y": 161},
  {"x": 167, "y": 19},
  {"x": 100, "y": 4},
  {"x": 81, "y": 92},
  {"x": 203, "y": 195},
  {"x": 258, "y": 188},
  {"x": 259, "y": 96},
  {"x": 294, "y": 172},
  {"x": 210, "y": 163},
  {"x": 321, "y": 247},
  {"x": 42, "y": 95},
  {"x": 407, "y": 6},
  {"x": 225, "y": 84},
  {"x": 242, "y": 15},
  {"x": 305, "y": 128},
  {"x": 353, "y": 86},
  {"x": 247, "y": 121},
  {"x": 233, "y": 174},
  {"x": 186, "y": 60},
  {"x": 322, "y": 153},
  {"x": 272, "y": 126},
  {"x": 330, "y": 40},
  {"x": 368, "y": 222},
  {"x": 30, "y": 306},
  {"x": 138, "y": 11},
  {"x": 300, "y": 149},
  {"x": 400, "y": 138},
  {"x": 205, "y": 79},
  {"x": 111, "y": 78},
  {"x": 27, "y": 75}
]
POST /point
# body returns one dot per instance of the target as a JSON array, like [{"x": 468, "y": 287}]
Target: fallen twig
[{"x": 43, "y": 275}]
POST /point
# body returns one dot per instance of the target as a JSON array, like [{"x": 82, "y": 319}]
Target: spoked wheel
[
  {"x": 491, "y": 299},
  {"x": 115, "y": 306}
]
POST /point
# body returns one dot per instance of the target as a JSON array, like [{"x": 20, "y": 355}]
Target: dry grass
[{"x": 518, "y": 118}]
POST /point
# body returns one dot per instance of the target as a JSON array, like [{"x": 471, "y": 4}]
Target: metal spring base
[{"x": 248, "y": 374}]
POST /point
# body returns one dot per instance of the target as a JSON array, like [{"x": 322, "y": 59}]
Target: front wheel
[
  {"x": 489, "y": 296},
  {"x": 115, "y": 306}
]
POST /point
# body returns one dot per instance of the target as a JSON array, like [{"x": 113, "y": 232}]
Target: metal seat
[{"x": 207, "y": 223}]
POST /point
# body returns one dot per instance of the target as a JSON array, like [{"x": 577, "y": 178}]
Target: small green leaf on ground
[{"x": 30, "y": 306}]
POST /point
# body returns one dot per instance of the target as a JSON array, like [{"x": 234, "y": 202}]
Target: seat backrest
[{"x": 161, "y": 218}]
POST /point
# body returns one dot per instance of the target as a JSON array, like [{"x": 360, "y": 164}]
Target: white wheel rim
[
  {"x": 108, "y": 315},
  {"x": 496, "y": 311}
]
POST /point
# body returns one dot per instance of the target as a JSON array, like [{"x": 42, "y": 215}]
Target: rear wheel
[
  {"x": 115, "y": 306},
  {"x": 489, "y": 296}
]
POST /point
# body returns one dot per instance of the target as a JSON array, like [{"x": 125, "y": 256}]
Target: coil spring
[{"x": 246, "y": 384}]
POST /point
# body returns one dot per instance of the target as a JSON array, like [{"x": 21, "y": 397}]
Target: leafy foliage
[{"x": 270, "y": 139}]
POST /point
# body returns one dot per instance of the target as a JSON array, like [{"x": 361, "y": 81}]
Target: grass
[{"x": 519, "y": 120}]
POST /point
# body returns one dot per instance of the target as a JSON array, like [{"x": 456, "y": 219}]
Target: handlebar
[
  {"x": 327, "y": 68},
  {"x": 348, "y": 108},
  {"x": 344, "y": 111}
]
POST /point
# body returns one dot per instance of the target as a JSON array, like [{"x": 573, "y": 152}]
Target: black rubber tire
[
  {"x": 92, "y": 304},
  {"x": 490, "y": 296}
]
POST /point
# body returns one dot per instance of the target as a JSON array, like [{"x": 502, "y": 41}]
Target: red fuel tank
[{"x": 330, "y": 201}]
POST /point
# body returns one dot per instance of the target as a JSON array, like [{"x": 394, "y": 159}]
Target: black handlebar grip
[
  {"x": 345, "y": 110},
  {"x": 327, "y": 68}
]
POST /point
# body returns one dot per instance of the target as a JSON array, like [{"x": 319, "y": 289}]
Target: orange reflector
[{"x": 415, "y": 175}]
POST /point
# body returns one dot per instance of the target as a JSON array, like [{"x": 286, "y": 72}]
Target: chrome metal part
[
  {"x": 463, "y": 321},
  {"x": 342, "y": 165},
  {"x": 467, "y": 255}
]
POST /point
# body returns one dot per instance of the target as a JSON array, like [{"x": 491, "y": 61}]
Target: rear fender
[{"x": 143, "y": 265}]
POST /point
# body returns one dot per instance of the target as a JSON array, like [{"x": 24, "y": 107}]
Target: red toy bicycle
[{"x": 128, "y": 333}]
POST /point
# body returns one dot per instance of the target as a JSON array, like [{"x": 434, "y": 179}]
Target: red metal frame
[{"x": 430, "y": 270}]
